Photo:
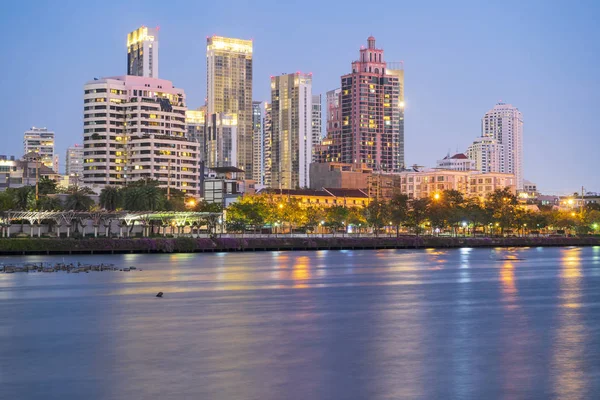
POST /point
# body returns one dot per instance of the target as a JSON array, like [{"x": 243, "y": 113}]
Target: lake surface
[{"x": 389, "y": 324}]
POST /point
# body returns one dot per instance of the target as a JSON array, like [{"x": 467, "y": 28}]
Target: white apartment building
[
  {"x": 457, "y": 162},
  {"x": 258, "y": 153},
  {"x": 487, "y": 154},
  {"x": 504, "y": 123},
  {"x": 317, "y": 121},
  {"x": 142, "y": 52},
  {"x": 267, "y": 145},
  {"x": 74, "y": 161},
  {"x": 291, "y": 130},
  {"x": 41, "y": 141},
  {"x": 134, "y": 128}
]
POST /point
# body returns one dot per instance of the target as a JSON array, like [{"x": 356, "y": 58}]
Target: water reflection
[{"x": 569, "y": 340}]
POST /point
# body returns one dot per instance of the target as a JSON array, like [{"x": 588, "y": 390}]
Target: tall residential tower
[
  {"x": 371, "y": 104},
  {"x": 291, "y": 130},
  {"x": 142, "y": 52},
  {"x": 41, "y": 141},
  {"x": 229, "y": 91},
  {"x": 504, "y": 123}
]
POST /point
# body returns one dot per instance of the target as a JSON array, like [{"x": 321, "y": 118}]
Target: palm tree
[
  {"x": 50, "y": 204},
  {"x": 110, "y": 198},
  {"x": 24, "y": 198},
  {"x": 78, "y": 201},
  {"x": 47, "y": 186}
]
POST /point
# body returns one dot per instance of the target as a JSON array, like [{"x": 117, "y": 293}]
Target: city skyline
[{"x": 448, "y": 88}]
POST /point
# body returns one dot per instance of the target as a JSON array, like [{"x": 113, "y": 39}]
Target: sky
[{"x": 460, "y": 59}]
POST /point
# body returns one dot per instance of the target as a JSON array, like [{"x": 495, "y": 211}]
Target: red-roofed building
[{"x": 457, "y": 162}]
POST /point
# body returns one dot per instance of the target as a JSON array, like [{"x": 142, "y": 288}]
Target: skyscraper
[
  {"x": 74, "y": 162},
  {"x": 371, "y": 126},
  {"x": 221, "y": 140},
  {"x": 142, "y": 52},
  {"x": 134, "y": 128},
  {"x": 291, "y": 130},
  {"x": 267, "y": 144},
  {"x": 329, "y": 150},
  {"x": 505, "y": 124},
  {"x": 258, "y": 153},
  {"x": 316, "y": 124},
  {"x": 41, "y": 141},
  {"x": 195, "y": 121},
  {"x": 229, "y": 90}
]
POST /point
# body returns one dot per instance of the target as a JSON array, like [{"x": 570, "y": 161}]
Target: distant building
[
  {"x": 488, "y": 155},
  {"x": 372, "y": 114},
  {"x": 229, "y": 90},
  {"x": 267, "y": 145},
  {"x": 15, "y": 173},
  {"x": 325, "y": 197},
  {"x": 504, "y": 123},
  {"x": 224, "y": 185},
  {"x": 195, "y": 121},
  {"x": 316, "y": 122},
  {"x": 142, "y": 52},
  {"x": 329, "y": 148},
  {"x": 41, "y": 141},
  {"x": 134, "y": 128},
  {"x": 74, "y": 162},
  {"x": 415, "y": 184},
  {"x": 291, "y": 130},
  {"x": 222, "y": 131},
  {"x": 457, "y": 162},
  {"x": 258, "y": 152}
]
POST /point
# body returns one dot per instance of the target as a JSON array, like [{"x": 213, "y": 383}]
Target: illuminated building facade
[
  {"x": 142, "y": 52},
  {"x": 134, "y": 128},
  {"x": 316, "y": 124},
  {"x": 221, "y": 140},
  {"x": 267, "y": 144},
  {"x": 195, "y": 121},
  {"x": 258, "y": 152},
  {"x": 329, "y": 149},
  {"x": 487, "y": 154},
  {"x": 504, "y": 123},
  {"x": 74, "y": 162},
  {"x": 41, "y": 141},
  {"x": 229, "y": 90},
  {"x": 291, "y": 130}
]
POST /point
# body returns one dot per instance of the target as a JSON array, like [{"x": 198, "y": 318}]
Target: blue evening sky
[{"x": 460, "y": 57}]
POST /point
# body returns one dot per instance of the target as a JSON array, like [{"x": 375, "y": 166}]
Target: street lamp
[{"x": 436, "y": 196}]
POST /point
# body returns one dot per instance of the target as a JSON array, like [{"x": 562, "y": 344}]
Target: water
[{"x": 390, "y": 324}]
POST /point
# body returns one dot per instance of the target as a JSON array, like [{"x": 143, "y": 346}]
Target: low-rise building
[
  {"x": 16, "y": 173},
  {"x": 457, "y": 162},
  {"x": 325, "y": 197}
]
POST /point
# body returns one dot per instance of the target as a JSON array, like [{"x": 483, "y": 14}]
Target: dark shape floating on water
[{"x": 160, "y": 294}]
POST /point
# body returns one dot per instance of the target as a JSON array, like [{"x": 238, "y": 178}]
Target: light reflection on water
[{"x": 464, "y": 323}]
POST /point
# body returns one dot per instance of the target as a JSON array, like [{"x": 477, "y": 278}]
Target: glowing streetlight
[
  {"x": 436, "y": 196},
  {"x": 570, "y": 202},
  {"x": 464, "y": 224},
  {"x": 572, "y": 214},
  {"x": 280, "y": 205},
  {"x": 191, "y": 203}
]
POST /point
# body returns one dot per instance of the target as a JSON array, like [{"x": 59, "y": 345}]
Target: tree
[
  {"x": 110, "y": 198},
  {"x": 418, "y": 213},
  {"x": 502, "y": 203},
  {"x": 377, "y": 215},
  {"x": 6, "y": 201},
  {"x": 78, "y": 201},
  {"x": 314, "y": 216},
  {"x": 398, "y": 209},
  {"x": 24, "y": 198},
  {"x": 335, "y": 217},
  {"x": 46, "y": 186},
  {"x": 50, "y": 204}
]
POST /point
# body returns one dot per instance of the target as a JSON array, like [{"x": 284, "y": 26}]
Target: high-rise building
[
  {"x": 258, "y": 153},
  {"x": 291, "y": 130},
  {"x": 221, "y": 140},
  {"x": 74, "y": 162},
  {"x": 487, "y": 154},
  {"x": 134, "y": 128},
  {"x": 329, "y": 149},
  {"x": 504, "y": 123},
  {"x": 316, "y": 124},
  {"x": 41, "y": 141},
  {"x": 229, "y": 90},
  {"x": 142, "y": 52},
  {"x": 372, "y": 114},
  {"x": 195, "y": 121},
  {"x": 267, "y": 144}
]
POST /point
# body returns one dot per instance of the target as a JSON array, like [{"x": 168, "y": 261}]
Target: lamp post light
[{"x": 464, "y": 225}]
